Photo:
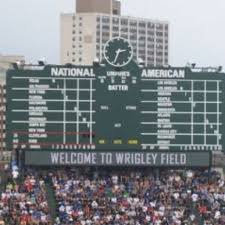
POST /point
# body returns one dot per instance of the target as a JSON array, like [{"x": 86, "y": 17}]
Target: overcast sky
[{"x": 197, "y": 30}]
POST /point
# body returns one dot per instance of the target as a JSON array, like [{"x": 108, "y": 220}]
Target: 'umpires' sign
[{"x": 118, "y": 158}]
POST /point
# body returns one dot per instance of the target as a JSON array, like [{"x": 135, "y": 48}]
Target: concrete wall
[
  {"x": 66, "y": 23},
  {"x": 98, "y": 6}
]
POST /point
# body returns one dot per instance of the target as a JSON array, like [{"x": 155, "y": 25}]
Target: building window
[
  {"x": 151, "y": 46},
  {"x": 124, "y": 30},
  {"x": 159, "y": 26},
  {"x": 125, "y": 36},
  {"x": 80, "y": 59},
  {"x": 105, "y": 34},
  {"x": 160, "y": 34},
  {"x": 142, "y": 38},
  {"x": 105, "y": 27},
  {"x": 151, "y": 33},
  {"x": 142, "y": 24},
  {"x": 133, "y": 31},
  {"x": 124, "y": 22},
  {"x": 151, "y": 53},
  {"x": 133, "y": 23},
  {"x": 115, "y": 12},
  {"x": 105, "y": 19},
  {"x": 142, "y": 32},
  {"x": 151, "y": 25},
  {"x": 115, "y": 34},
  {"x": 115, "y": 28},
  {"x": 150, "y": 39},
  {"x": 115, "y": 20}
]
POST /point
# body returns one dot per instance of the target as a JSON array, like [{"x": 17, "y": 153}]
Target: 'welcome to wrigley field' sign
[{"x": 116, "y": 158}]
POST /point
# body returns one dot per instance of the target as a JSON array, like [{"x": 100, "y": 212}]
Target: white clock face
[{"x": 118, "y": 52}]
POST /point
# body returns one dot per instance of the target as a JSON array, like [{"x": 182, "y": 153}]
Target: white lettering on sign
[
  {"x": 165, "y": 104},
  {"x": 118, "y": 74},
  {"x": 154, "y": 73},
  {"x": 104, "y": 107},
  {"x": 72, "y": 72},
  {"x": 32, "y": 80},
  {"x": 42, "y": 108},
  {"x": 37, "y": 135},
  {"x": 173, "y": 159},
  {"x": 37, "y": 86},
  {"x": 36, "y": 113},
  {"x": 117, "y": 87},
  {"x": 131, "y": 107},
  {"x": 37, "y": 102},
  {"x": 35, "y": 97},
  {"x": 136, "y": 158},
  {"x": 38, "y": 119},
  {"x": 73, "y": 158},
  {"x": 166, "y": 136}
]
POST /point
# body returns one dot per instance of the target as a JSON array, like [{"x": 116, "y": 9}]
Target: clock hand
[
  {"x": 118, "y": 52},
  {"x": 123, "y": 50}
]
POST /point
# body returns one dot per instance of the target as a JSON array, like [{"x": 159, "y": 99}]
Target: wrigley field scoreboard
[{"x": 116, "y": 113}]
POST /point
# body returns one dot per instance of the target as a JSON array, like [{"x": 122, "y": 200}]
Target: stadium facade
[
  {"x": 5, "y": 63},
  {"x": 84, "y": 34}
]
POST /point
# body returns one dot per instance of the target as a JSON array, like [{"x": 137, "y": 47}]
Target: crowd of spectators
[
  {"x": 138, "y": 197},
  {"x": 24, "y": 202},
  {"x": 106, "y": 196}
]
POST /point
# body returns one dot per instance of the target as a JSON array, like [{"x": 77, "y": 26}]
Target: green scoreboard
[{"x": 115, "y": 109}]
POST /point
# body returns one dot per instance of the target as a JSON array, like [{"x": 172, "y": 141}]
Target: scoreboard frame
[{"x": 126, "y": 88}]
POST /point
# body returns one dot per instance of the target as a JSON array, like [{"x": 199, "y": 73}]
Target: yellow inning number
[
  {"x": 117, "y": 142},
  {"x": 101, "y": 141},
  {"x": 133, "y": 142}
]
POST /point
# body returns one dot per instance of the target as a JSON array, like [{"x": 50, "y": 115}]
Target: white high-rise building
[{"x": 84, "y": 34}]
